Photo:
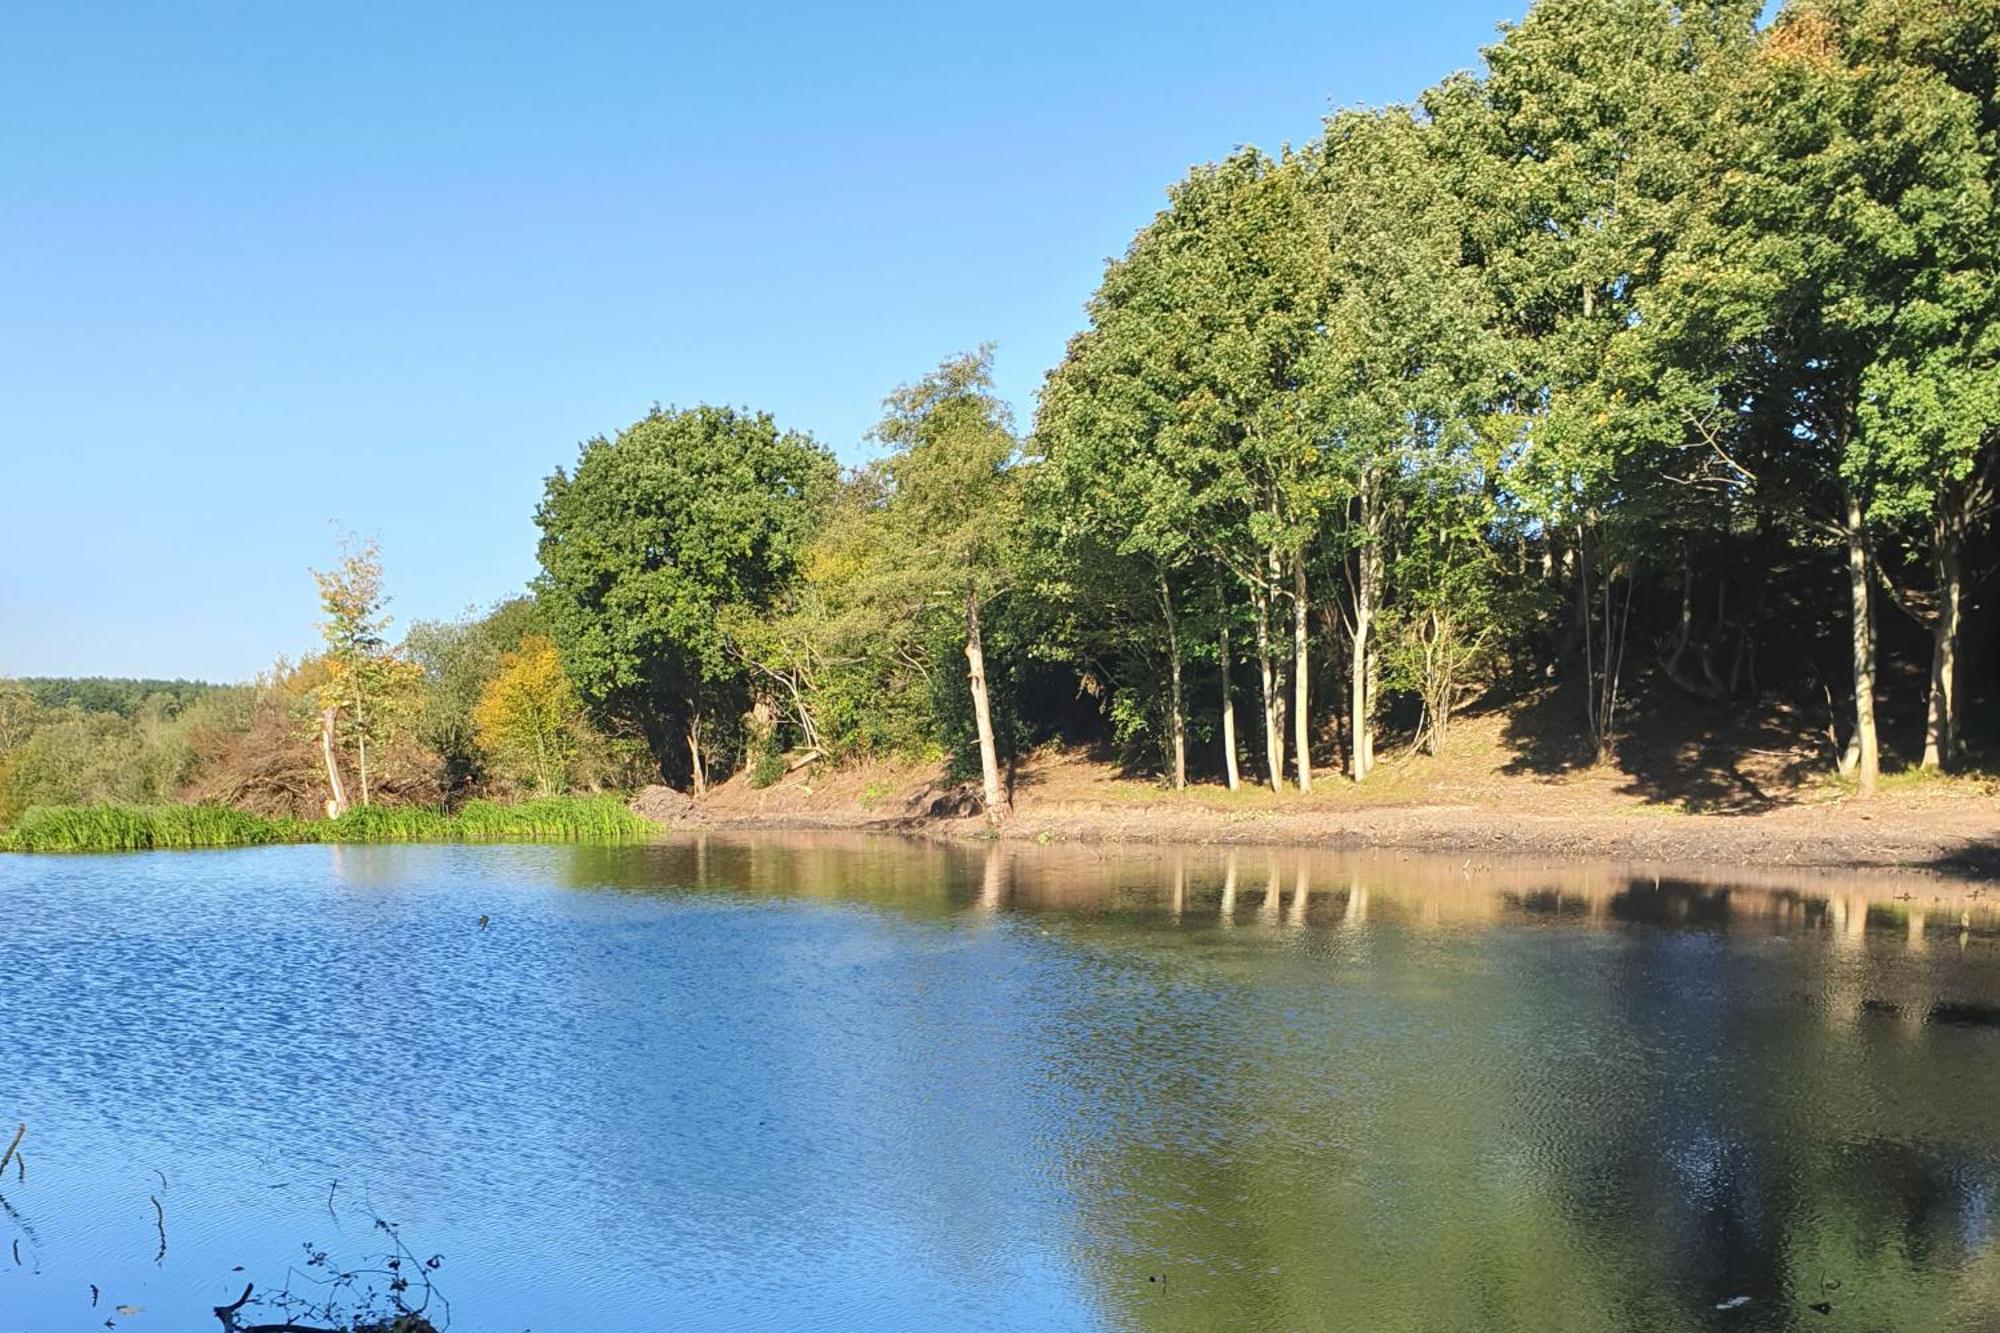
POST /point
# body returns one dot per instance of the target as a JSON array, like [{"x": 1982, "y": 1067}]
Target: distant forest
[{"x": 1653, "y": 366}]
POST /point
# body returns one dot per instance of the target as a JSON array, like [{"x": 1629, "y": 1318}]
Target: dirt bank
[{"x": 1758, "y": 801}]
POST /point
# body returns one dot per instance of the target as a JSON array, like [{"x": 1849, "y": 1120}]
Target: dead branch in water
[{"x": 349, "y": 1300}]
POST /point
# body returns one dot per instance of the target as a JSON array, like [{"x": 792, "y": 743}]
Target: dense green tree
[
  {"x": 648, "y": 542},
  {"x": 1667, "y": 336},
  {"x": 1584, "y": 118},
  {"x": 459, "y": 658},
  {"x": 1395, "y": 385},
  {"x": 950, "y": 513},
  {"x": 1118, "y": 516},
  {"x": 1186, "y": 382},
  {"x": 1827, "y": 311}
]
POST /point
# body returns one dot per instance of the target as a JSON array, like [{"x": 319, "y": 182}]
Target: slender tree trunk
[
  {"x": 1861, "y": 610},
  {"x": 1301, "y": 714},
  {"x": 1371, "y": 692},
  {"x": 1357, "y": 702},
  {"x": 331, "y": 754},
  {"x": 1586, "y": 630},
  {"x": 1274, "y": 738},
  {"x": 982, "y": 712},
  {"x": 1229, "y": 768},
  {"x": 1361, "y": 657},
  {"x": 694, "y": 753},
  {"x": 1941, "y": 735},
  {"x": 1179, "y": 719}
]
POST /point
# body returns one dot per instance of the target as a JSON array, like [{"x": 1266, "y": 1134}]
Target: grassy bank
[{"x": 131, "y": 828}]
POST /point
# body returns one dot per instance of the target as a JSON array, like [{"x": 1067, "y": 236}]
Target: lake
[{"x": 847, "y": 1083}]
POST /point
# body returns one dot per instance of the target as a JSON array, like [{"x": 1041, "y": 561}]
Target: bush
[{"x": 769, "y": 768}]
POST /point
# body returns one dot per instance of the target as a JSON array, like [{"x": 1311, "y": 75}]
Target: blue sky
[{"x": 266, "y": 269}]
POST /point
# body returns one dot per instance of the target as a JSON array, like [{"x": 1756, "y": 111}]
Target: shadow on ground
[{"x": 1702, "y": 757}]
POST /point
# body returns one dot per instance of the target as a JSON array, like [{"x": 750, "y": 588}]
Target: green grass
[{"x": 131, "y": 828}]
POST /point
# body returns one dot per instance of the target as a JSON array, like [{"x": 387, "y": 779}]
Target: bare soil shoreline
[
  {"x": 1480, "y": 801},
  {"x": 1717, "y": 841}
]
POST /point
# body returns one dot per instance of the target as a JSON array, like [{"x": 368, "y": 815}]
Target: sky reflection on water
[{"x": 851, "y": 1083}]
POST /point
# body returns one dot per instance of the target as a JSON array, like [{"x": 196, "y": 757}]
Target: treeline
[
  {"x": 1659, "y": 355},
  {"x": 1657, "y": 361},
  {"x": 451, "y": 714}
]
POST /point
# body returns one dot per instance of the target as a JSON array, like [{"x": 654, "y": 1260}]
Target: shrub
[{"x": 768, "y": 769}]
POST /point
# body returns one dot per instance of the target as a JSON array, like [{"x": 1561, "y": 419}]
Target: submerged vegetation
[{"x": 1653, "y": 369}]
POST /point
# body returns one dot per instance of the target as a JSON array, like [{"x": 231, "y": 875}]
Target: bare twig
[
  {"x": 160, "y": 1221},
  {"x": 5, "y": 1157},
  {"x": 227, "y": 1313}
]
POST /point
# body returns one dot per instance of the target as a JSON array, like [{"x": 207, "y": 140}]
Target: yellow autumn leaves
[{"x": 529, "y": 718}]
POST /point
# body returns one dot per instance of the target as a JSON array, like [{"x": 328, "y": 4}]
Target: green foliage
[
  {"x": 1457, "y": 390},
  {"x": 133, "y": 828},
  {"x": 864, "y": 651},
  {"x": 113, "y": 694},
  {"x": 768, "y": 768},
  {"x": 67, "y": 755},
  {"x": 951, "y": 496},
  {"x": 555, "y": 819},
  {"x": 458, "y": 659},
  {"x": 370, "y": 689},
  {"x": 651, "y": 540},
  {"x": 120, "y": 828}
]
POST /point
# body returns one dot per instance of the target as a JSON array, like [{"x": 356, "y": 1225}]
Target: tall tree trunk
[
  {"x": 1301, "y": 714},
  {"x": 1861, "y": 611},
  {"x": 1941, "y": 733},
  {"x": 1178, "y": 722},
  {"x": 982, "y": 712},
  {"x": 1586, "y": 630},
  {"x": 1361, "y": 631},
  {"x": 1229, "y": 768},
  {"x": 331, "y": 754},
  {"x": 1371, "y": 692},
  {"x": 1361, "y": 756},
  {"x": 1274, "y": 738},
  {"x": 695, "y": 760}
]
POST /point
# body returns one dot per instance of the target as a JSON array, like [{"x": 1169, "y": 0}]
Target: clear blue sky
[{"x": 265, "y": 267}]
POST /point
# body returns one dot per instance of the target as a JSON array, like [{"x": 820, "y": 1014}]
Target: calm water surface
[{"x": 839, "y": 1083}]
